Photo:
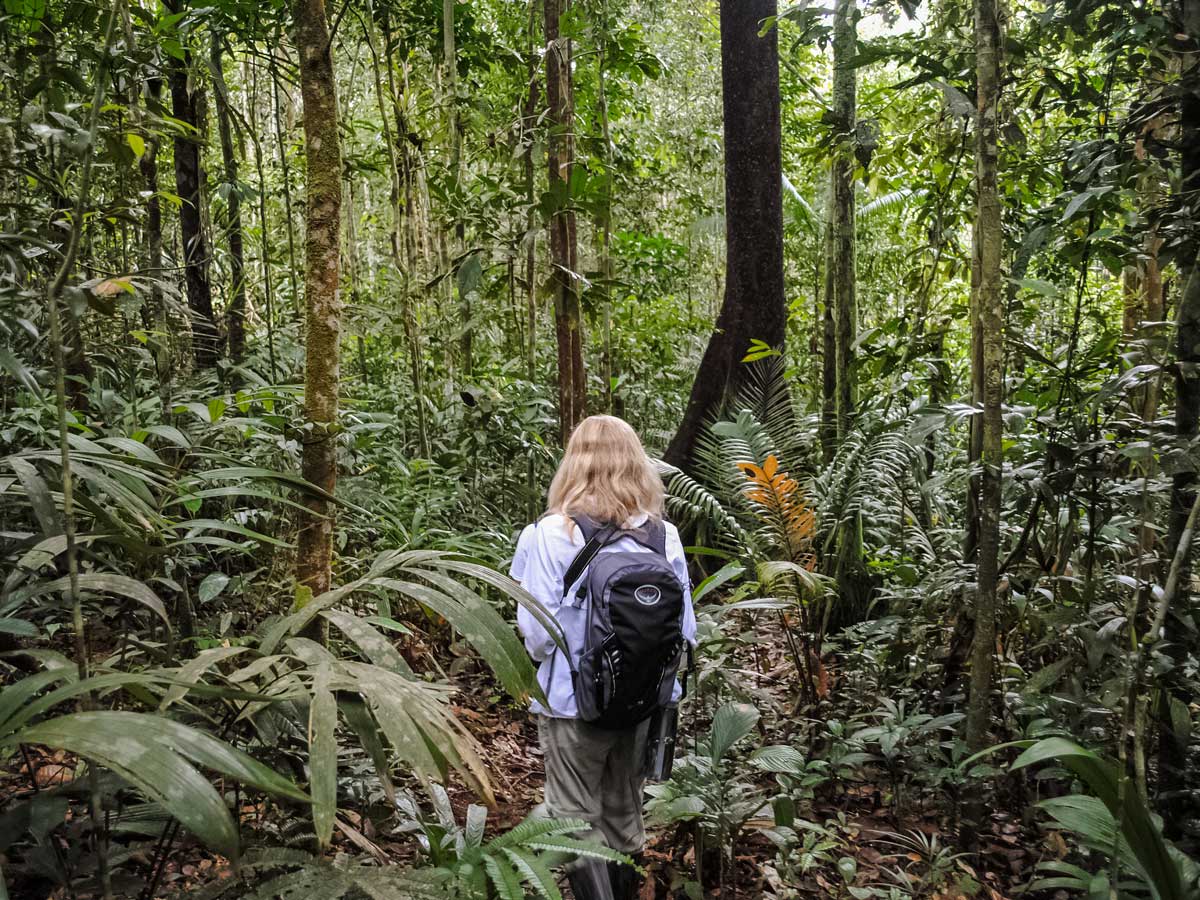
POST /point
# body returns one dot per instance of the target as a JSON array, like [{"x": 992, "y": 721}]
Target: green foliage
[
  {"x": 705, "y": 789},
  {"x": 510, "y": 865},
  {"x": 1115, "y": 822}
]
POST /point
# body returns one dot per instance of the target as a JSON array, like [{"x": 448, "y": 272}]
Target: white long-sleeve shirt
[{"x": 544, "y": 553}]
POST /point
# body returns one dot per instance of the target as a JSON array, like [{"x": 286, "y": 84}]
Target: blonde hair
[{"x": 606, "y": 475}]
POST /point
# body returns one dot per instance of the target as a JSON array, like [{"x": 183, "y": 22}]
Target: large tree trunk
[
  {"x": 323, "y": 188},
  {"x": 841, "y": 227},
  {"x": 753, "y": 306},
  {"x": 206, "y": 342},
  {"x": 1172, "y": 744},
  {"x": 235, "y": 315},
  {"x": 564, "y": 263},
  {"x": 987, "y": 287}
]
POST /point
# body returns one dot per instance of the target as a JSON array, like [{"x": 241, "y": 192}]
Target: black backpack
[{"x": 633, "y": 635}]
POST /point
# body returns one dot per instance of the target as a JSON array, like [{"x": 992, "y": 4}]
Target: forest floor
[
  {"x": 1005, "y": 857},
  {"x": 865, "y": 826}
]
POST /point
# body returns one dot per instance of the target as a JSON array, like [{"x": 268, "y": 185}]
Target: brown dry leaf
[
  {"x": 53, "y": 774},
  {"x": 1055, "y": 844}
]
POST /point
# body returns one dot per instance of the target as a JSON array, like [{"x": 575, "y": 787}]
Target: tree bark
[
  {"x": 206, "y": 341},
  {"x": 564, "y": 261},
  {"x": 987, "y": 286},
  {"x": 753, "y": 307},
  {"x": 235, "y": 315},
  {"x": 841, "y": 245},
  {"x": 323, "y": 202}
]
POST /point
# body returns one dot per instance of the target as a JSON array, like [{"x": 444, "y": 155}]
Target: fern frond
[
  {"x": 765, "y": 393},
  {"x": 890, "y": 201},
  {"x": 577, "y": 847},
  {"x": 691, "y": 503},
  {"x": 865, "y": 480},
  {"x": 533, "y": 828},
  {"x": 781, "y": 505},
  {"x": 535, "y": 873},
  {"x": 504, "y": 878}
]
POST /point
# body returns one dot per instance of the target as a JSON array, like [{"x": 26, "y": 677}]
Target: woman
[{"x": 592, "y": 773}]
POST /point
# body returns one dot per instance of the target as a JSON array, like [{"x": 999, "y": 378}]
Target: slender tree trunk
[
  {"x": 393, "y": 149},
  {"x": 235, "y": 315},
  {"x": 286, "y": 177},
  {"x": 323, "y": 187},
  {"x": 528, "y": 123},
  {"x": 263, "y": 231},
  {"x": 1173, "y": 744},
  {"x": 604, "y": 223},
  {"x": 829, "y": 379},
  {"x": 988, "y": 295},
  {"x": 206, "y": 341},
  {"x": 753, "y": 307},
  {"x": 572, "y": 379},
  {"x": 841, "y": 260},
  {"x": 154, "y": 242}
]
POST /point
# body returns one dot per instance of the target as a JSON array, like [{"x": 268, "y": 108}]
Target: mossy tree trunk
[
  {"x": 564, "y": 251},
  {"x": 987, "y": 289},
  {"x": 323, "y": 304},
  {"x": 753, "y": 307}
]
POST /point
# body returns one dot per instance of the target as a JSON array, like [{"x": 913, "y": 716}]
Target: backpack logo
[{"x": 648, "y": 595}]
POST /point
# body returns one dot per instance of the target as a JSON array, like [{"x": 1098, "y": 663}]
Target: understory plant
[{"x": 706, "y": 791}]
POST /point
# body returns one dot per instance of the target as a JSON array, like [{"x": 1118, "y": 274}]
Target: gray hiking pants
[{"x": 596, "y": 775}]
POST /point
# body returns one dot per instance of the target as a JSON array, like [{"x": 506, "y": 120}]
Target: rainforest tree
[{"x": 753, "y": 308}]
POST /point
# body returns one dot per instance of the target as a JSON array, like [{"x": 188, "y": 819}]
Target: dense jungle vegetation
[{"x": 297, "y": 304}]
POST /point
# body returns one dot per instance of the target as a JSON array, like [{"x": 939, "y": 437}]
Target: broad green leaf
[
  {"x": 726, "y": 573},
  {"x": 19, "y": 627},
  {"x": 38, "y": 494},
  {"x": 198, "y": 746},
  {"x": 480, "y": 625},
  {"x": 358, "y": 717},
  {"x": 322, "y": 756},
  {"x": 212, "y": 586},
  {"x": 19, "y": 371},
  {"x": 190, "y": 672},
  {"x": 16, "y": 695},
  {"x": 731, "y": 723},
  {"x": 782, "y": 759},
  {"x": 148, "y": 764},
  {"x": 373, "y": 645},
  {"x": 1138, "y": 828},
  {"x": 100, "y": 583},
  {"x": 136, "y": 143}
]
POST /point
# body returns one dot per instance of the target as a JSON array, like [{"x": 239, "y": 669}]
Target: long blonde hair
[{"x": 606, "y": 475}]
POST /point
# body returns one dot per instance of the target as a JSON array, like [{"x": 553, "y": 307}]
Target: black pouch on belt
[{"x": 660, "y": 743}]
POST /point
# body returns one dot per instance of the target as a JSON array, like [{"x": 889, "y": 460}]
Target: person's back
[{"x": 605, "y": 485}]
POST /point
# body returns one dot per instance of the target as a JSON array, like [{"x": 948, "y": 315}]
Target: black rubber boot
[
  {"x": 625, "y": 881},
  {"x": 589, "y": 880}
]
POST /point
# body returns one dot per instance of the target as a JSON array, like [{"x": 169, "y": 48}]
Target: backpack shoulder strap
[
  {"x": 597, "y": 536},
  {"x": 653, "y": 534}
]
